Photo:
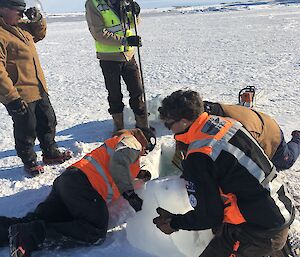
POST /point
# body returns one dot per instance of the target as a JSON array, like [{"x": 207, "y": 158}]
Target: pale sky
[{"x": 58, "y": 6}]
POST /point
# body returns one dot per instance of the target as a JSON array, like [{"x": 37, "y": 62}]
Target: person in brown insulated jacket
[
  {"x": 111, "y": 24},
  {"x": 23, "y": 88},
  {"x": 264, "y": 129}
]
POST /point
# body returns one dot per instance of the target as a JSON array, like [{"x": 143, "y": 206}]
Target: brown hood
[{"x": 136, "y": 132}]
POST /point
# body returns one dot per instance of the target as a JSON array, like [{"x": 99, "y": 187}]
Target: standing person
[
  {"x": 23, "y": 88},
  {"x": 110, "y": 23},
  {"x": 76, "y": 208},
  {"x": 232, "y": 185}
]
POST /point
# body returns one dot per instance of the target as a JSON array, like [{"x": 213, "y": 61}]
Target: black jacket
[{"x": 205, "y": 175}]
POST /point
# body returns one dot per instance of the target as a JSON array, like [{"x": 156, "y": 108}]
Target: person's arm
[
  {"x": 203, "y": 193},
  {"x": 126, "y": 153},
  {"x": 96, "y": 26},
  {"x": 38, "y": 29},
  {"x": 36, "y": 25},
  {"x": 8, "y": 92}
]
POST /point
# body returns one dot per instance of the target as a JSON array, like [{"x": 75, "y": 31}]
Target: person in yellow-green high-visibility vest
[{"x": 111, "y": 23}]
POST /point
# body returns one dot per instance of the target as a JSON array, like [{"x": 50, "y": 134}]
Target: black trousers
[
  {"x": 74, "y": 209},
  {"x": 129, "y": 71},
  {"x": 39, "y": 122},
  {"x": 242, "y": 241}
]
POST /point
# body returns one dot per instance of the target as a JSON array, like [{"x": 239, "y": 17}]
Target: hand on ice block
[{"x": 162, "y": 222}]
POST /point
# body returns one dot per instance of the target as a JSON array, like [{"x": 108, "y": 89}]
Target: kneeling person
[
  {"x": 76, "y": 208},
  {"x": 232, "y": 185}
]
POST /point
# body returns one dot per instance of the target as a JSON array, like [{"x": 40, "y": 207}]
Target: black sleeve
[
  {"x": 213, "y": 108},
  {"x": 203, "y": 194}
]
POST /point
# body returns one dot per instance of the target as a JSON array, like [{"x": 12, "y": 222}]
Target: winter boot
[
  {"x": 5, "y": 223},
  {"x": 32, "y": 168},
  {"x": 141, "y": 121},
  {"x": 118, "y": 121},
  {"x": 25, "y": 238},
  {"x": 55, "y": 156},
  {"x": 296, "y": 136}
]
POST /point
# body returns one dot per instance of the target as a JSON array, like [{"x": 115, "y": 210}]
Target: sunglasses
[{"x": 170, "y": 124}]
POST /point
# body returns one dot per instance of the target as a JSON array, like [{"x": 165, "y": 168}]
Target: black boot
[
  {"x": 25, "y": 238},
  {"x": 55, "y": 156},
  {"x": 5, "y": 223},
  {"x": 33, "y": 168}
]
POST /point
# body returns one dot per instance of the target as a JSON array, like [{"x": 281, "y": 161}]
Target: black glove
[
  {"x": 133, "y": 7},
  {"x": 33, "y": 14},
  {"x": 163, "y": 221},
  {"x": 145, "y": 175},
  {"x": 134, "y": 41},
  {"x": 136, "y": 9},
  {"x": 17, "y": 106},
  {"x": 133, "y": 199}
]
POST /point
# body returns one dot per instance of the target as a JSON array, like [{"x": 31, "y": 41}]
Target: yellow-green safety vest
[{"x": 113, "y": 24}]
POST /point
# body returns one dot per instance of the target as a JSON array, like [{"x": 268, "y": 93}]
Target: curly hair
[{"x": 181, "y": 104}]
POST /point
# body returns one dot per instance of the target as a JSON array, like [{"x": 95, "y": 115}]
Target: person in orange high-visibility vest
[
  {"x": 76, "y": 208},
  {"x": 232, "y": 184}
]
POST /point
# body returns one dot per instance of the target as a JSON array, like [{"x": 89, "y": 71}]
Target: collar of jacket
[
  {"x": 187, "y": 137},
  {"x": 15, "y": 30}
]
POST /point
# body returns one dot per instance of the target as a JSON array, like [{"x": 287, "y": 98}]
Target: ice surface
[{"x": 215, "y": 53}]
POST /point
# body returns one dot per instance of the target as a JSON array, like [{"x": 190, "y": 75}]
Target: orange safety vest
[
  {"x": 95, "y": 166},
  {"x": 203, "y": 142}
]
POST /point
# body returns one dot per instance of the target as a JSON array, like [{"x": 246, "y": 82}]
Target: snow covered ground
[{"x": 216, "y": 53}]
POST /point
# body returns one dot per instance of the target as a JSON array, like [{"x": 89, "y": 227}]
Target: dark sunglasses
[{"x": 170, "y": 124}]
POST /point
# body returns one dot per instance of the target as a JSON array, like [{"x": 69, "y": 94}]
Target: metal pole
[{"x": 140, "y": 62}]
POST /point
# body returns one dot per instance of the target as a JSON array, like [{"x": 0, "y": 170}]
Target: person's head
[
  {"x": 12, "y": 11},
  {"x": 180, "y": 109}
]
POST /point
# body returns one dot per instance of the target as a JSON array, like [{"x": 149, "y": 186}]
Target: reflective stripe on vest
[
  {"x": 213, "y": 148},
  {"x": 220, "y": 131},
  {"x": 103, "y": 175},
  {"x": 113, "y": 24},
  {"x": 212, "y": 145},
  {"x": 95, "y": 166},
  {"x": 115, "y": 29}
]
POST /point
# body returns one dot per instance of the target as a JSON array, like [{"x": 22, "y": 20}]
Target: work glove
[
  {"x": 134, "y": 41},
  {"x": 163, "y": 221},
  {"x": 33, "y": 14},
  {"x": 133, "y": 7},
  {"x": 17, "y": 106},
  {"x": 133, "y": 199},
  {"x": 145, "y": 175}
]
